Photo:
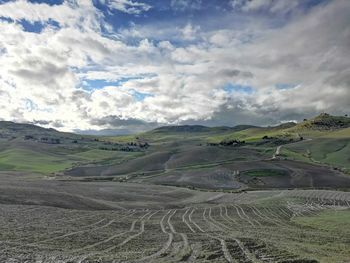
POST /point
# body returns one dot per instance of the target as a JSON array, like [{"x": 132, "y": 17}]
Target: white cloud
[
  {"x": 273, "y": 6},
  {"x": 42, "y": 74},
  {"x": 189, "y": 32},
  {"x": 182, "y": 5},
  {"x": 69, "y": 14},
  {"x": 128, "y": 6}
]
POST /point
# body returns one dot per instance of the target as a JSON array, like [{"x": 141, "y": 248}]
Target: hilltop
[{"x": 325, "y": 121}]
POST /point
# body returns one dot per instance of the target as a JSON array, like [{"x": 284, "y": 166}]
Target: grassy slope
[
  {"x": 19, "y": 153},
  {"x": 332, "y": 148},
  {"x": 27, "y": 160},
  {"x": 330, "y": 142},
  {"x": 46, "y": 161},
  {"x": 334, "y": 223},
  {"x": 255, "y": 134},
  {"x": 322, "y": 125}
]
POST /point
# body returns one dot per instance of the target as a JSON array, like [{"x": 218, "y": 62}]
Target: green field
[
  {"x": 336, "y": 222},
  {"x": 327, "y": 150},
  {"x": 27, "y": 160},
  {"x": 18, "y": 159}
]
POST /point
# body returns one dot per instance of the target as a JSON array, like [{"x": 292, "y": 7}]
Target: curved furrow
[
  {"x": 228, "y": 232},
  {"x": 238, "y": 213},
  {"x": 166, "y": 245},
  {"x": 225, "y": 251},
  {"x": 81, "y": 258},
  {"x": 151, "y": 215},
  {"x": 170, "y": 225},
  {"x": 223, "y": 244},
  {"x": 285, "y": 212},
  {"x": 100, "y": 243},
  {"x": 221, "y": 226},
  {"x": 223, "y": 216},
  {"x": 185, "y": 249},
  {"x": 248, "y": 218},
  {"x": 132, "y": 228},
  {"x": 266, "y": 217},
  {"x": 133, "y": 223},
  {"x": 237, "y": 207},
  {"x": 194, "y": 222},
  {"x": 289, "y": 206},
  {"x": 208, "y": 221},
  {"x": 228, "y": 217},
  {"x": 74, "y": 233},
  {"x": 126, "y": 240},
  {"x": 37, "y": 244},
  {"x": 59, "y": 232},
  {"x": 270, "y": 214},
  {"x": 274, "y": 213},
  {"x": 72, "y": 219},
  {"x": 70, "y": 234},
  {"x": 185, "y": 221}
]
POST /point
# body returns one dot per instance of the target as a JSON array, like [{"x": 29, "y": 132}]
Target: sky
[{"x": 125, "y": 66}]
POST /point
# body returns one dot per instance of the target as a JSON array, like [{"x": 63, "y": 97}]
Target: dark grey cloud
[
  {"x": 235, "y": 73},
  {"x": 37, "y": 71},
  {"x": 116, "y": 125},
  {"x": 116, "y": 121}
]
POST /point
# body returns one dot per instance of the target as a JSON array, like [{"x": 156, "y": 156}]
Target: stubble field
[{"x": 169, "y": 224}]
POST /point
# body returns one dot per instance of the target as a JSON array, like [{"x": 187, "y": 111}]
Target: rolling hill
[
  {"x": 324, "y": 139},
  {"x": 26, "y": 147}
]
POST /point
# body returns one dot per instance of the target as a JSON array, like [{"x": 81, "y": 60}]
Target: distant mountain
[
  {"x": 285, "y": 125},
  {"x": 182, "y": 128},
  {"x": 199, "y": 129}
]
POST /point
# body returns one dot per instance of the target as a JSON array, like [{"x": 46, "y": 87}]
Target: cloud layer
[{"x": 71, "y": 66}]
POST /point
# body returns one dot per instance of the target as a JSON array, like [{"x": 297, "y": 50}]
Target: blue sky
[
  {"x": 74, "y": 63},
  {"x": 210, "y": 14}
]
